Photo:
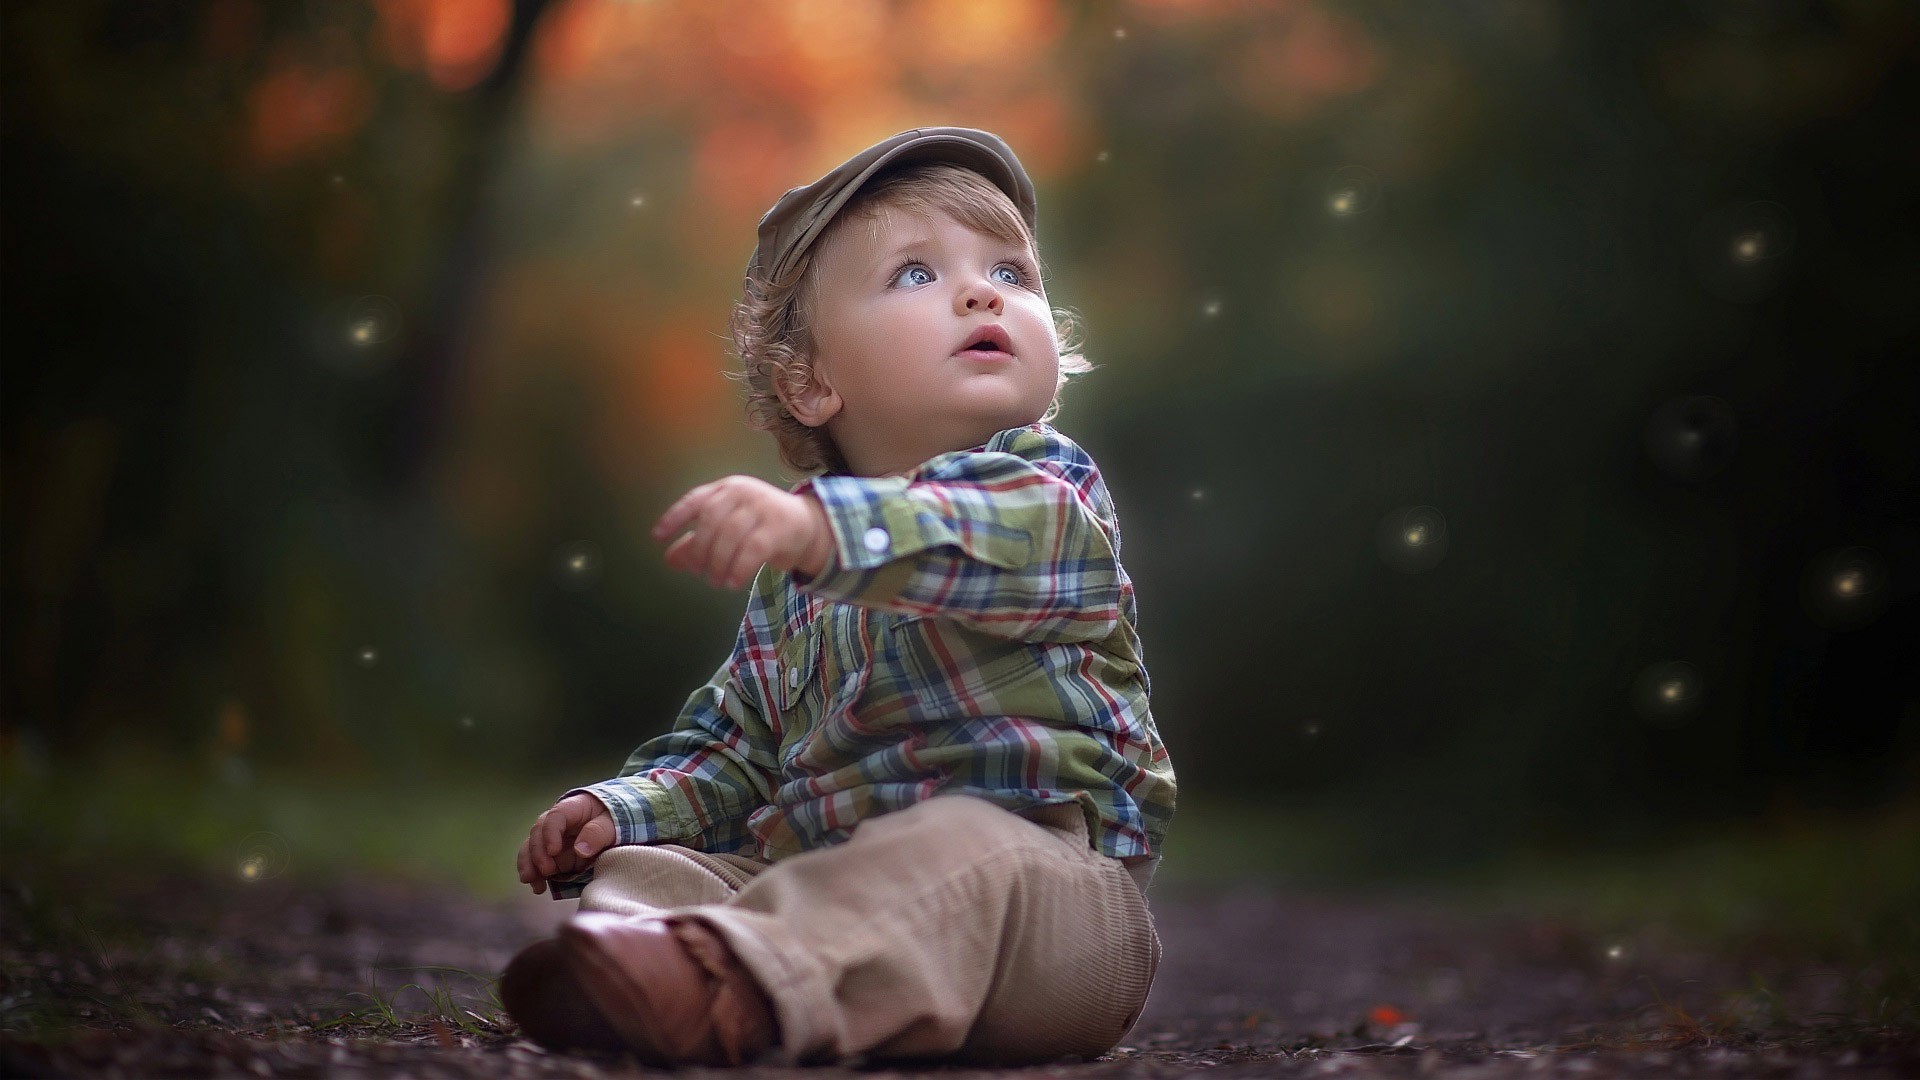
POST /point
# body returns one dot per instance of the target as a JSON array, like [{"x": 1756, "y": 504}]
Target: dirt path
[{"x": 189, "y": 976}]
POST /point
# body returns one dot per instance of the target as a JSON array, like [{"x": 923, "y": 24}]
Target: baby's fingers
[
  {"x": 745, "y": 561},
  {"x": 682, "y": 509},
  {"x": 550, "y": 831},
  {"x": 595, "y": 836},
  {"x": 527, "y": 875},
  {"x": 676, "y": 554}
]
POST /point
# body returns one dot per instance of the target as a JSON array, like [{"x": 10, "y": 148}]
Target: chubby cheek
[
  {"x": 1044, "y": 350},
  {"x": 1036, "y": 329},
  {"x": 883, "y": 384},
  {"x": 1045, "y": 379}
]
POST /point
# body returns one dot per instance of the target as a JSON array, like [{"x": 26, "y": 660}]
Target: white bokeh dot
[
  {"x": 1412, "y": 539},
  {"x": 1740, "y": 250},
  {"x": 1844, "y": 588},
  {"x": 577, "y": 564},
  {"x": 260, "y": 856},
  {"x": 1668, "y": 691},
  {"x": 1350, "y": 191}
]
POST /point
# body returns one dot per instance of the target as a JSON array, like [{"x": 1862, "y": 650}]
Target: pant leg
[
  {"x": 949, "y": 928},
  {"x": 644, "y": 879}
]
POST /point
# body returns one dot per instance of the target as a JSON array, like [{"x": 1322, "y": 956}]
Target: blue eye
[
  {"x": 909, "y": 266},
  {"x": 1021, "y": 274}
]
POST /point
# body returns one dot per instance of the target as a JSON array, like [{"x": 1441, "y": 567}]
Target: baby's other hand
[
  {"x": 565, "y": 839},
  {"x": 738, "y": 523}
]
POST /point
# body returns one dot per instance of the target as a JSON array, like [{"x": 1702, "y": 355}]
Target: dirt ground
[{"x": 193, "y": 976}]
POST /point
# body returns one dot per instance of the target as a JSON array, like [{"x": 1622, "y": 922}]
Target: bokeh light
[
  {"x": 1350, "y": 199},
  {"x": 362, "y": 336},
  {"x": 1668, "y": 692},
  {"x": 1691, "y": 438},
  {"x": 577, "y": 564},
  {"x": 1739, "y": 251},
  {"x": 372, "y": 320},
  {"x": 1413, "y": 539},
  {"x": 1846, "y": 587},
  {"x": 260, "y": 856}
]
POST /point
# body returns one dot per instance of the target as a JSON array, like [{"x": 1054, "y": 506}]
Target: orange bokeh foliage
[
  {"x": 753, "y": 97},
  {"x": 297, "y": 109},
  {"x": 1165, "y": 12},
  {"x": 966, "y": 37},
  {"x": 734, "y": 161},
  {"x": 768, "y": 95},
  {"x": 1289, "y": 67},
  {"x": 780, "y": 92},
  {"x": 574, "y": 36},
  {"x": 670, "y": 384},
  {"x": 458, "y": 42}
]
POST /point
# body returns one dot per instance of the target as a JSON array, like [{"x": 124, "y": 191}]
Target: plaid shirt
[{"x": 974, "y": 631}]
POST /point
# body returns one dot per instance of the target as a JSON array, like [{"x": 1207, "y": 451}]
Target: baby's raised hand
[
  {"x": 739, "y": 522},
  {"x": 565, "y": 839}
]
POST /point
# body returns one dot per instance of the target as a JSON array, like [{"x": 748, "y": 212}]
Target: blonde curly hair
[{"x": 772, "y": 341}]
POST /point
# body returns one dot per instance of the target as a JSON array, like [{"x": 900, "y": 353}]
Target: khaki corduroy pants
[{"x": 950, "y": 929}]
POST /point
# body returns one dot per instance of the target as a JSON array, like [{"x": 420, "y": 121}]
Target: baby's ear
[{"x": 814, "y": 403}]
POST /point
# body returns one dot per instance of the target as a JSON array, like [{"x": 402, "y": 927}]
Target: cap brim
[{"x": 933, "y": 146}]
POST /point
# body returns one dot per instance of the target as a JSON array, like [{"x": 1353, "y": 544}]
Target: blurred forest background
[{"x": 1510, "y": 406}]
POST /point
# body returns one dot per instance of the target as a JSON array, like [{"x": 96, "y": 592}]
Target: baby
[{"x": 915, "y": 812}]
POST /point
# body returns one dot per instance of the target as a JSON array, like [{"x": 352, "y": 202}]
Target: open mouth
[{"x": 988, "y": 343}]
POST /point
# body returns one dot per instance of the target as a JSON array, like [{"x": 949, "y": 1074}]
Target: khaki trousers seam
[{"x": 794, "y": 986}]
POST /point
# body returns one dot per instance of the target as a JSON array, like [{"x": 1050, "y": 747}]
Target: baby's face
[{"x": 894, "y": 308}]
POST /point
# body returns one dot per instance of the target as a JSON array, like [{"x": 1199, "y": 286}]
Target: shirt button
[
  {"x": 876, "y": 539},
  {"x": 793, "y": 676},
  {"x": 719, "y": 697}
]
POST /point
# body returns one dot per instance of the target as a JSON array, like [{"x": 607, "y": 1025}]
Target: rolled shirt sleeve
[{"x": 1017, "y": 539}]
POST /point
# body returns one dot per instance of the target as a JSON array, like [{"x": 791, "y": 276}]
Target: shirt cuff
[
  {"x": 637, "y": 819},
  {"x": 642, "y": 809},
  {"x": 569, "y": 888},
  {"x": 875, "y": 521}
]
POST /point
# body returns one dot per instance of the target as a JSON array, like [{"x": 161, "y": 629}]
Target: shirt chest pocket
[{"x": 799, "y": 672}]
